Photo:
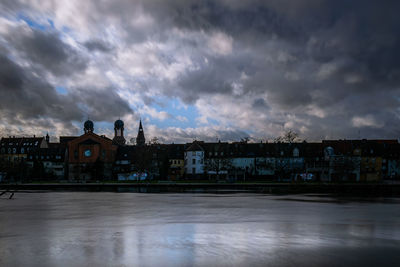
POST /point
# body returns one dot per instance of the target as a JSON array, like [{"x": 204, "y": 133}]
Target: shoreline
[{"x": 348, "y": 189}]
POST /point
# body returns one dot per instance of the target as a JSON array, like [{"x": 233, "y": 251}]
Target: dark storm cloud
[
  {"x": 203, "y": 81},
  {"x": 47, "y": 50},
  {"x": 103, "y": 104},
  {"x": 26, "y": 95},
  {"x": 25, "y": 98},
  {"x": 322, "y": 61},
  {"x": 341, "y": 56},
  {"x": 98, "y": 45}
]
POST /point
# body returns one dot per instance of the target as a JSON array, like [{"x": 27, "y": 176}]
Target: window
[
  {"x": 87, "y": 153},
  {"x": 75, "y": 154},
  {"x": 103, "y": 154},
  {"x": 194, "y": 153},
  {"x": 3, "y": 150},
  {"x": 194, "y": 170},
  {"x": 296, "y": 152},
  {"x": 14, "y": 150},
  {"x": 22, "y": 150},
  {"x": 201, "y": 161},
  {"x": 9, "y": 150},
  {"x": 193, "y": 161},
  {"x": 210, "y": 153},
  {"x": 222, "y": 153}
]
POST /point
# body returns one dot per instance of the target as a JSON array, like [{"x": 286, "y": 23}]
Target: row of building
[{"x": 93, "y": 157}]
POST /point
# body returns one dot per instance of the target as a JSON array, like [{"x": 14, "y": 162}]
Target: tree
[
  {"x": 132, "y": 141},
  {"x": 289, "y": 136},
  {"x": 217, "y": 165},
  {"x": 244, "y": 140},
  {"x": 154, "y": 141}
]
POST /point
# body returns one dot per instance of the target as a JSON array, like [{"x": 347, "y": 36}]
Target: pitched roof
[{"x": 195, "y": 147}]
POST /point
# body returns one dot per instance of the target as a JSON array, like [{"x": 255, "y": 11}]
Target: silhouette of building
[
  {"x": 140, "y": 139},
  {"x": 88, "y": 126},
  {"x": 119, "y": 138}
]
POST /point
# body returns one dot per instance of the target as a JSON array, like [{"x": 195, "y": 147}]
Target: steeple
[
  {"x": 47, "y": 138},
  {"x": 140, "y": 140}
]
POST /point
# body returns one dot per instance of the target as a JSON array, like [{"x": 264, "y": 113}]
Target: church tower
[
  {"x": 140, "y": 140},
  {"x": 119, "y": 138},
  {"x": 88, "y": 126}
]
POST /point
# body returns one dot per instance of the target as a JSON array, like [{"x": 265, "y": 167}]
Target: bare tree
[
  {"x": 289, "y": 136},
  {"x": 244, "y": 140},
  {"x": 154, "y": 141}
]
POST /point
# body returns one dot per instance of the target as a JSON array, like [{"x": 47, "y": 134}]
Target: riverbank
[{"x": 365, "y": 189}]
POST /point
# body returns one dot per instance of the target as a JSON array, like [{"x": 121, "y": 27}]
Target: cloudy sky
[{"x": 209, "y": 70}]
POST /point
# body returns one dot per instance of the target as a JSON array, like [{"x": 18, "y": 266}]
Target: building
[
  {"x": 176, "y": 168},
  {"x": 119, "y": 138},
  {"x": 13, "y": 155},
  {"x": 194, "y": 160},
  {"x": 48, "y": 163},
  {"x": 15, "y": 149},
  {"x": 90, "y": 156}
]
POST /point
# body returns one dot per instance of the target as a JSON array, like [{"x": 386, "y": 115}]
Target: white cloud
[
  {"x": 366, "y": 121},
  {"x": 220, "y": 43}
]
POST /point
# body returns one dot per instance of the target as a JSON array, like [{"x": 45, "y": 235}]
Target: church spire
[{"x": 140, "y": 139}]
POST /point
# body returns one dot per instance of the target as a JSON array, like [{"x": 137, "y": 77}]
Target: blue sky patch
[
  {"x": 176, "y": 108},
  {"x": 61, "y": 90},
  {"x": 32, "y": 23}
]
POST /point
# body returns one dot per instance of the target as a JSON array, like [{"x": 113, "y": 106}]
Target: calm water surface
[{"x": 129, "y": 229}]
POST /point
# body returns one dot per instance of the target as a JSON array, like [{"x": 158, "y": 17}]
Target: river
[{"x": 133, "y": 229}]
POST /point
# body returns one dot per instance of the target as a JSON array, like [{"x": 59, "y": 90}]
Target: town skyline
[{"x": 212, "y": 70}]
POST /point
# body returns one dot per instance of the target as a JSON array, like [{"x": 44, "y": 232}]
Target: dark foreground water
[{"x": 129, "y": 229}]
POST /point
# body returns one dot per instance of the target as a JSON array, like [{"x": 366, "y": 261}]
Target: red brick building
[{"x": 90, "y": 156}]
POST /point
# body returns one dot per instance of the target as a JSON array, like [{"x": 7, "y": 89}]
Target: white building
[{"x": 194, "y": 159}]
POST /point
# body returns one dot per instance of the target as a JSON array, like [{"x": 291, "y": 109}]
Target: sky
[{"x": 205, "y": 70}]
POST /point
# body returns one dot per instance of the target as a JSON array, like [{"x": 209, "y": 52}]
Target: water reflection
[{"x": 111, "y": 229}]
